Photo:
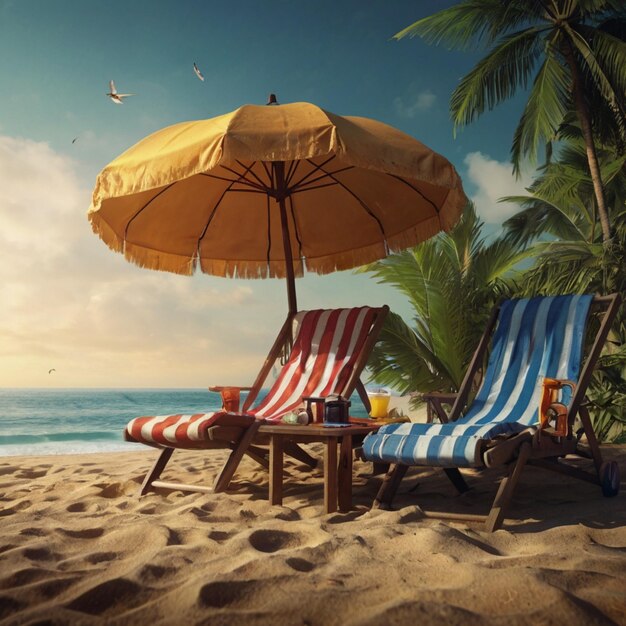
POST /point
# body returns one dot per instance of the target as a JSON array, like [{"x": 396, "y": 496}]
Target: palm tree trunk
[{"x": 584, "y": 118}]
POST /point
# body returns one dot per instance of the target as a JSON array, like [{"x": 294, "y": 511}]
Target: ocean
[{"x": 69, "y": 421}]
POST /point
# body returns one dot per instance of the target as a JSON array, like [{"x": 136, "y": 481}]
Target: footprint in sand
[
  {"x": 153, "y": 573},
  {"x": 31, "y": 473},
  {"x": 82, "y": 507},
  {"x": 9, "y": 606},
  {"x": 273, "y": 540},
  {"x": 20, "y": 506},
  {"x": 100, "y": 557},
  {"x": 39, "y": 554},
  {"x": 219, "y": 535},
  {"x": 85, "y": 533},
  {"x": 220, "y": 594},
  {"x": 32, "y": 532},
  {"x": 53, "y": 588},
  {"x": 300, "y": 565},
  {"x": 113, "y": 490},
  {"x": 24, "y": 577},
  {"x": 174, "y": 538},
  {"x": 104, "y": 598}
]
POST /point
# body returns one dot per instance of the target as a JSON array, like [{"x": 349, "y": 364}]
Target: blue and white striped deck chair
[{"x": 533, "y": 339}]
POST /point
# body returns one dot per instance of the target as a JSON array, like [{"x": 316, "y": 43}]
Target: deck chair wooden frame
[
  {"x": 243, "y": 438},
  {"x": 530, "y": 447}
]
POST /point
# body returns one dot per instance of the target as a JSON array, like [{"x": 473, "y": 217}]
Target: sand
[{"x": 77, "y": 546}]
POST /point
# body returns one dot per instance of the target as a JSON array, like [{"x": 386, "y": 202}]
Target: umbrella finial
[{"x": 272, "y": 99}]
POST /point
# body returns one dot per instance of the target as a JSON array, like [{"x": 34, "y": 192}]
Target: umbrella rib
[
  {"x": 316, "y": 168},
  {"x": 416, "y": 190},
  {"x": 243, "y": 178},
  {"x": 269, "y": 233},
  {"x": 303, "y": 189},
  {"x": 365, "y": 207},
  {"x": 145, "y": 206},
  {"x": 293, "y": 167},
  {"x": 217, "y": 204},
  {"x": 298, "y": 186},
  {"x": 270, "y": 175},
  {"x": 245, "y": 181},
  {"x": 253, "y": 173}
]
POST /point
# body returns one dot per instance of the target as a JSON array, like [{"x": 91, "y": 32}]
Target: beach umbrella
[{"x": 267, "y": 191}]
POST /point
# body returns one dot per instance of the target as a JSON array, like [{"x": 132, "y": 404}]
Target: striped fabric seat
[
  {"x": 534, "y": 338},
  {"x": 327, "y": 344}
]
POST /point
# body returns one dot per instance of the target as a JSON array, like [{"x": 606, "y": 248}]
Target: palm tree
[
  {"x": 451, "y": 282},
  {"x": 575, "y": 261},
  {"x": 561, "y": 206},
  {"x": 581, "y": 45}
]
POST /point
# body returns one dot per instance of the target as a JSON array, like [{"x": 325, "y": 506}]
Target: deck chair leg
[
  {"x": 390, "y": 485},
  {"x": 456, "y": 478},
  {"x": 223, "y": 480},
  {"x": 506, "y": 489},
  {"x": 594, "y": 446},
  {"x": 259, "y": 455},
  {"x": 155, "y": 471}
]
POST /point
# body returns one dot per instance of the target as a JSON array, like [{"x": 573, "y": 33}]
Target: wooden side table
[{"x": 337, "y": 467}]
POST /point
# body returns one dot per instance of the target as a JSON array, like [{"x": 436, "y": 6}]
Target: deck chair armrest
[
  {"x": 447, "y": 398},
  {"x": 434, "y": 405}
]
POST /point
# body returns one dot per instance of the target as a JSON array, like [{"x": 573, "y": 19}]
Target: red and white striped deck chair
[{"x": 329, "y": 350}]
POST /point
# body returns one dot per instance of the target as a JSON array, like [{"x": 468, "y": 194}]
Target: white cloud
[
  {"x": 70, "y": 303},
  {"x": 410, "y": 107},
  {"x": 493, "y": 180}
]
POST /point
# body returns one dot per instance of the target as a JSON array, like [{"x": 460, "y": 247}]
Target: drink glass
[{"x": 379, "y": 401}]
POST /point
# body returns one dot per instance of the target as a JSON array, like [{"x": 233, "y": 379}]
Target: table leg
[
  {"x": 330, "y": 475},
  {"x": 276, "y": 469},
  {"x": 345, "y": 473}
]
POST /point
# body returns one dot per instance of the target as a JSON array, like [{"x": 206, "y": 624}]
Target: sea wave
[{"x": 96, "y": 435}]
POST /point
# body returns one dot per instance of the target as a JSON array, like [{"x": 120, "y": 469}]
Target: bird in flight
[
  {"x": 198, "y": 72},
  {"x": 52, "y": 370},
  {"x": 117, "y": 97},
  {"x": 74, "y": 140}
]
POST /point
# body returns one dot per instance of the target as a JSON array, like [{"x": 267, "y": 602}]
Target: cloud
[
  {"x": 70, "y": 303},
  {"x": 410, "y": 107},
  {"x": 493, "y": 180}
]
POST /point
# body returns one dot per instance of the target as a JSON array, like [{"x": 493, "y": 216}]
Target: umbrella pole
[{"x": 279, "y": 170}]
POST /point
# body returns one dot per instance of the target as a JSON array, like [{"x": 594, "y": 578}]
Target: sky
[{"x": 71, "y": 305}]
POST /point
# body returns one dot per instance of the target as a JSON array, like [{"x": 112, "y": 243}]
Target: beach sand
[{"x": 77, "y": 546}]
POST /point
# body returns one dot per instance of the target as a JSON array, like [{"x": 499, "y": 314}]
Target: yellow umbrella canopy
[{"x": 268, "y": 190}]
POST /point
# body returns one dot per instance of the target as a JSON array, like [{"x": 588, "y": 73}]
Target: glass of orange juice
[{"x": 379, "y": 401}]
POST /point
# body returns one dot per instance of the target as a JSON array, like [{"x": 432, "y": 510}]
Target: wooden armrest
[
  {"x": 438, "y": 395},
  {"x": 219, "y": 389},
  {"x": 434, "y": 400}
]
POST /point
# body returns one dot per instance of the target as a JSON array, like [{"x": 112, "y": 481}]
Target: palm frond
[
  {"x": 496, "y": 77},
  {"x": 593, "y": 66},
  {"x": 544, "y": 112},
  {"x": 465, "y": 24},
  {"x": 541, "y": 217},
  {"x": 400, "y": 361}
]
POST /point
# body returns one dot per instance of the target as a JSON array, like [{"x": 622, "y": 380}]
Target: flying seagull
[
  {"x": 198, "y": 72},
  {"x": 74, "y": 140},
  {"x": 52, "y": 370},
  {"x": 117, "y": 97}
]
